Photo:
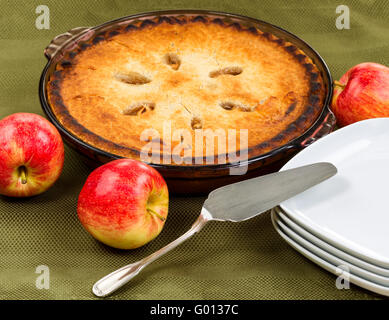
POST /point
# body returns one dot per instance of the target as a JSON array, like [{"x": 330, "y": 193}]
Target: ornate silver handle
[{"x": 120, "y": 277}]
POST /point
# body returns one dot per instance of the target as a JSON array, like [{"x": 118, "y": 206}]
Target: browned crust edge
[{"x": 311, "y": 112}]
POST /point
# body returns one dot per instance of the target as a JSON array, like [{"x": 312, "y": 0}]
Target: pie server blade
[
  {"x": 246, "y": 199},
  {"x": 235, "y": 202}
]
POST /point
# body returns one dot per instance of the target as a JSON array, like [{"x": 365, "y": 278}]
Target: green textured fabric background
[{"x": 225, "y": 261}]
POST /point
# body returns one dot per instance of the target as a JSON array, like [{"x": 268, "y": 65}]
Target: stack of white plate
[{"x": 342, "y": 224}]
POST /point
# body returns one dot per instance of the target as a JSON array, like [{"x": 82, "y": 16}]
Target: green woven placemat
[{"x": 225, "y": 261}]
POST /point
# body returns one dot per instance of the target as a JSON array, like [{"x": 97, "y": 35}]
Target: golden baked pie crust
[{"x": 194, "y": 73}]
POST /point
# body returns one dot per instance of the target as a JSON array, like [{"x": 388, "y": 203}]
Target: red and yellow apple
[
  {"x": 124, "y": 204},
  {"x": 361, "y": 93},
  {"x": 31, "y": 155}
]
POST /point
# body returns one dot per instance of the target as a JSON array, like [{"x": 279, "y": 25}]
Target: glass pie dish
[{"x": 188, "y": 178}]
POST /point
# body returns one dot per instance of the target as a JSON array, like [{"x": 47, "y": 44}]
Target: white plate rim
[
  {"x": 328, "y": 247},
  {"x": 329, "y": 267},
  {"x": 367, "y": 275}
]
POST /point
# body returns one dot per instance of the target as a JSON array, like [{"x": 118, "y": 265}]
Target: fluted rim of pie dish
[{"x": 310, "y": 132}]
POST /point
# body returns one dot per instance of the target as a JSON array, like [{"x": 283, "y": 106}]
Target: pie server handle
[{"x": 120, "y": 277}]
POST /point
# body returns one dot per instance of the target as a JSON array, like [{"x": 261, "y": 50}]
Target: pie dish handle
[
  {"x": 72, "y": 38},
  {"x": 326, "y": 127}
]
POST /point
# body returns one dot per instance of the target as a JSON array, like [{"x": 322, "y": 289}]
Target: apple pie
[{"x": 162, "y": 81}]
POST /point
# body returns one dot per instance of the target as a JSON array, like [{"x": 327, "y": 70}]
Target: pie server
[{"x": 235, "y": 202}]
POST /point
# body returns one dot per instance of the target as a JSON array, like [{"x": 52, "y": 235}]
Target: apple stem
[
  {"x": 339, "y": 84},
  {"x": 23, "y": 174},
  {"x": 156, "y": 214}
]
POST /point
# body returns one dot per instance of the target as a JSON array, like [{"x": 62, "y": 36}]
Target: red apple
[
  {"x": 124, "y": 204},
  {"x": 31, "y": 155},
  {"x": 362, "y": 93}
]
